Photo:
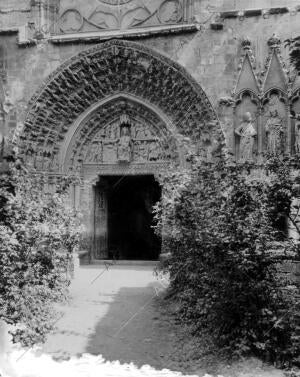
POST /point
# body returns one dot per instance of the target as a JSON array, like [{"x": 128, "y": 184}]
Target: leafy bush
[
  {"x": 37, "y": 236},
  {"x": 220, "y": 228}
]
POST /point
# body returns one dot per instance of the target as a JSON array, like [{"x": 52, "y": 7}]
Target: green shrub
[
  {"x": 38, "y": 233},
  {"x": 220, "y": 227}
]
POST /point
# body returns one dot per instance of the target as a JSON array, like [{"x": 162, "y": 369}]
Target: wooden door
[{"x": 101, "y": 223}]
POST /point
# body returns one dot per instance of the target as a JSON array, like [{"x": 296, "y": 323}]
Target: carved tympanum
[{"x": 140, "y": 137}]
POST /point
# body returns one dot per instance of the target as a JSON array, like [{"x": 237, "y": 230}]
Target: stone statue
[
  {"x": 125, "y": 145},
  {"x": 247, "y": 133},
  {"x": 2, "y": 145},
  {"x": 274, "y": 132},
  {"x": 297, "y": 136}
]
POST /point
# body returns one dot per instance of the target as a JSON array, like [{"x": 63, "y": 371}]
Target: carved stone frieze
[
  {"x": 97, "y": 74},
  {"x": 75, "y": 16}
]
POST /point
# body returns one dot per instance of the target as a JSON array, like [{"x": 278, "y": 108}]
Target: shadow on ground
[{"x": 134, "y": 330}]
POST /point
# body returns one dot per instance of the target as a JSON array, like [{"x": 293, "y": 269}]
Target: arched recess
[
  {"x": 276, "y": 114},
  {"x": 115, "y": 68},
  {"x": 118, "y": 108}
]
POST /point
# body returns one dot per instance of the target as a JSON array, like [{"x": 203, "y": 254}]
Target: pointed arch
[{"x": 115, "y": 68}]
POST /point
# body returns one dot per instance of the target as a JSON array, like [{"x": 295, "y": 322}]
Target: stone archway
[{"x": 116, "y": 109}]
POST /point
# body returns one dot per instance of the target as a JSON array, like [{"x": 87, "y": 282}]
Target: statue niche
[
  {"x": 275, "y": 133},
  {"x": 246, "y": 133},
  {"x": 246, "y": 125}
]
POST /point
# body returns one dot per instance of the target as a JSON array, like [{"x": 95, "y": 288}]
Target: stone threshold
[{"x": 123, "y": 262}]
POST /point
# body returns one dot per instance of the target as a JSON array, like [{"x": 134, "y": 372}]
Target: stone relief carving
[
  {"x": 95, "y": 153},
  {"x": 123, "y": 14},
  {"x": 89, "y": 78},
  {"x": 246, "y": 132},
  {"x": 125, "y": 141}
]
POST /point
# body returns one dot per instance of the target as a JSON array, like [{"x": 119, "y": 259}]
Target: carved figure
[
  {"x": 125, "y": 145},
  {"x": 139, "y": 131},
  {"x": 247, "y": 133},
  {"x": 2, "y": 146},
  {"x": 95, "y": 153},
  {"x": 141, "y": 150},
  {"x": 274, "y": 132},
  {"x": 297, "y": 136},
  {"x": 153, "y": 151}
]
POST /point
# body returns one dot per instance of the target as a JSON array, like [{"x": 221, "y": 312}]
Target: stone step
[{"x": 122, "y": 262}]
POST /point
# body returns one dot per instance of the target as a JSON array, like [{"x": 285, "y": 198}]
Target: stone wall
[{"x": 211, "y": 56}]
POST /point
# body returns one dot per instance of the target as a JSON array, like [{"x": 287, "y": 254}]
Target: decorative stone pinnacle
[
  {"x": 274, "y": 41},
  {"x": 246, "y": 44}
]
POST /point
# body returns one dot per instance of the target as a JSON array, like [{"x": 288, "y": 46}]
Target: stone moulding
[
  {"x": 132, "y": 33},
  {"x": 237, "y": 13}
]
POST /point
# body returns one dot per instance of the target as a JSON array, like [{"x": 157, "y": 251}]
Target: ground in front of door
[{"x": 118, "y": 324}]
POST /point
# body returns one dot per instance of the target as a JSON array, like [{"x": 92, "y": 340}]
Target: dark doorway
[{"x": 130, "y": 201}]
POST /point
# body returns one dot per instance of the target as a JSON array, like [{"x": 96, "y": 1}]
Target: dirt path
[{"x": 117, "y": 314}]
